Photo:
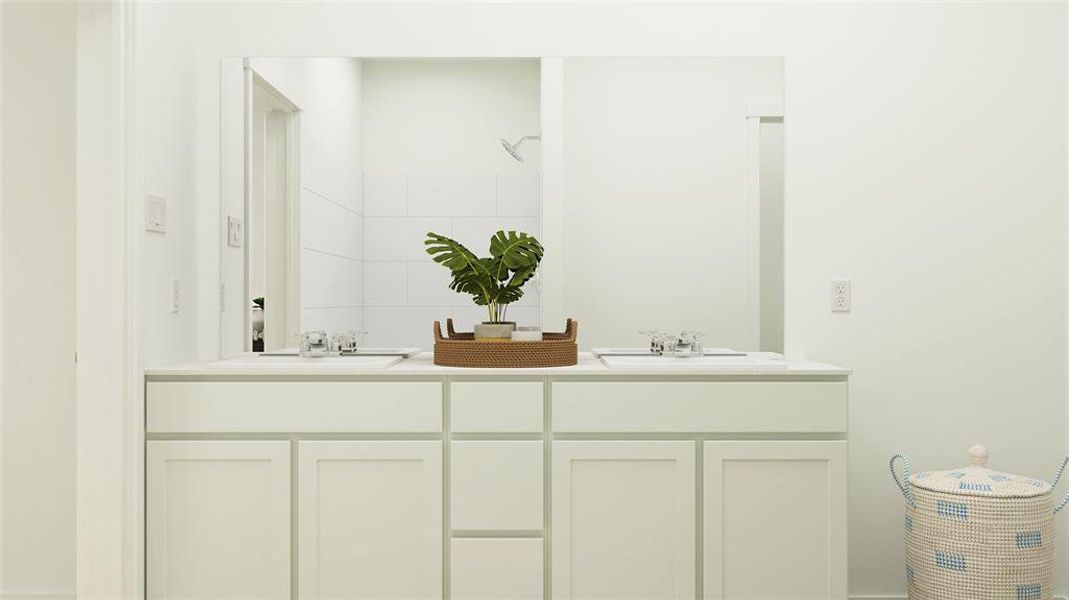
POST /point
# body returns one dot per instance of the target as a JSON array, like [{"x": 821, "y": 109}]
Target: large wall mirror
[{"x": 654, "y": 184}]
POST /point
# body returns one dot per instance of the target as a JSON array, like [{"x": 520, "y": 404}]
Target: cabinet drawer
[
  {"x": 293, "y": 406},
  {"x": 496, "y": 485},
  {"x": 496, "y": 406},
  {"x": 700, "y": 406},
  {"x": 496, "y": 569}
]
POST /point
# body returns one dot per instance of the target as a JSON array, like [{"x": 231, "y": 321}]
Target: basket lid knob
[{"x": 978, "y": 455}]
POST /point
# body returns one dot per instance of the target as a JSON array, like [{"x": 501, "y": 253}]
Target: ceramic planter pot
[{"x": 493, "y": 331}]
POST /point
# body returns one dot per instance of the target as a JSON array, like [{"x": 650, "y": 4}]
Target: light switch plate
[
  {"x": 155, "y": 213},
  {"x": 235, "y": 232}
]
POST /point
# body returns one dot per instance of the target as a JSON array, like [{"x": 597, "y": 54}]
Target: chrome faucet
[
  {"x": 318, "y": 343},
  {"x": 688, "y": 343},
  {"x": 315, "y": 343},
  {"x": 344, "y": 342}
]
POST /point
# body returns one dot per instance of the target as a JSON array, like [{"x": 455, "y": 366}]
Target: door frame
[
  {"x": 292, "y": 192},
  {"x": 109, "y": 553}
]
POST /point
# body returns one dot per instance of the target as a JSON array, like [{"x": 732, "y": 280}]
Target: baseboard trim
[
  {"x": 71, "y": 596},
  {"x": 903, "y": 597}
]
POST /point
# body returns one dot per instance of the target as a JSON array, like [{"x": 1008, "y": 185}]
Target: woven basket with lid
[{"x": 978, "y": 534}]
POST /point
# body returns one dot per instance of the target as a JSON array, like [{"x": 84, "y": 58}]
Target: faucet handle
[
  {"x": 314, "y": 342},
  {"x": 345, "y": 341},
  {"x": 694, "y": 338},
  {"x": 657, "y": 339}
]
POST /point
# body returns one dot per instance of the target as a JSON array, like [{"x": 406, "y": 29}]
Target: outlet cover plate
[{"x": 840, "y": 295}]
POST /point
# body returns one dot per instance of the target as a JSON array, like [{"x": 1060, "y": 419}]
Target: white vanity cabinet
[
  {"x": 624, "y": 519},
  {"x": 369, "y": 519},
  {"x": 443, "y": 484},
  {"x": 217, "y": 519},
  {"x": 774, "y": 506}
]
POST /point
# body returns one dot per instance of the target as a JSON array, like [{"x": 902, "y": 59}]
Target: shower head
[
  {"x": 514, "y": 149},
  {"x": 511, "y": 149}
]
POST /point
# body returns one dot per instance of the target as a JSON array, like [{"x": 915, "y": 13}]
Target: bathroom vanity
[{"x": 303, "y": 479}]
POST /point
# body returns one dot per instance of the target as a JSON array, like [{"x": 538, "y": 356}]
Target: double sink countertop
[{"x": 252, "y": 365}]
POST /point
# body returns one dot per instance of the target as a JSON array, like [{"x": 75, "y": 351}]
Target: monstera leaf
[
  {"x": 516, "y": 250},
  {"x": 453, "y": 254},
  {"x": 521, "y": 276},
  {"x": 508, "y": 294},
  {"x": 495, "y": 281},
  {"x": 476, "y": 281}
]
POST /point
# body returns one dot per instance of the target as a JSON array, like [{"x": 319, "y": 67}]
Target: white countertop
[{"x": 423, "y": 365}]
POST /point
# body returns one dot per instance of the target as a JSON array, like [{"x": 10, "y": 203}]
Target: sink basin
[
  {"x": 646, "y": 352},
  {"x": 275, "y": 361},
  {"x": 367, "y": 351},
  {"x": 710, "y": 363}
]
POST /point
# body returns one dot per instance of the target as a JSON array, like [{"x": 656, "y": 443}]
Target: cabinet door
[
  {"x": 370, "y": 519},
  {"x": 775, "y": 507},
  {"x": 623, "y": 520},
  {"x": 218, "y": 519}
]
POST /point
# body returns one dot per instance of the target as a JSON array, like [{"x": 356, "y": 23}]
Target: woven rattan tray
[{"x": 461, "y": 349}]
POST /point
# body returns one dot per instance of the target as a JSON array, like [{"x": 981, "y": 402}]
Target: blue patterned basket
[{"x": 978, "y": 534}]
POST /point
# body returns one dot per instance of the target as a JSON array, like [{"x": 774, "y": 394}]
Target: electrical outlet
[
  {"x": 840, "y": 295},
  {"x": 175, "y": 295},
  {"x": 235, "y": 232}
]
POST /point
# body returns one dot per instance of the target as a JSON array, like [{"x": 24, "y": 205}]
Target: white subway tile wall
[
  {"x": 348, "y": 318},
  {"x": 408, "y": 326},
  {"x": 475, "y": 232},
  {"x": 428, "y": 285},
  {"x": 518, "y": 194},
  {"x": 331, "y": 281},
  {"x": 385, "y": 195},
  {"x": 450, "y": 195},
  {"x": 400, "y": 238},
  {"x": 330, "y": 227},
  {"x": 405, "y": 291},
  {"x": 332, "y": 266},
  {"x": 327, "y": 170},
  {"x": 386, "y": 283}
]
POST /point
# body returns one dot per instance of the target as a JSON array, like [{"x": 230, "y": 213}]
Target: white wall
[
  {"x": 925, "y": 152},
  {"x": 433, "y": 162},
  {"x": 657, "y": 207},
  {"x": 37, "y": 408},
  {"x": 167, "y": 119},
  {"x": 328, "y": 93}
]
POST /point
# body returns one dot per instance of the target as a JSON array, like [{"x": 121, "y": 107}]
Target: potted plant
[{"x": 495, "y": 281}]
